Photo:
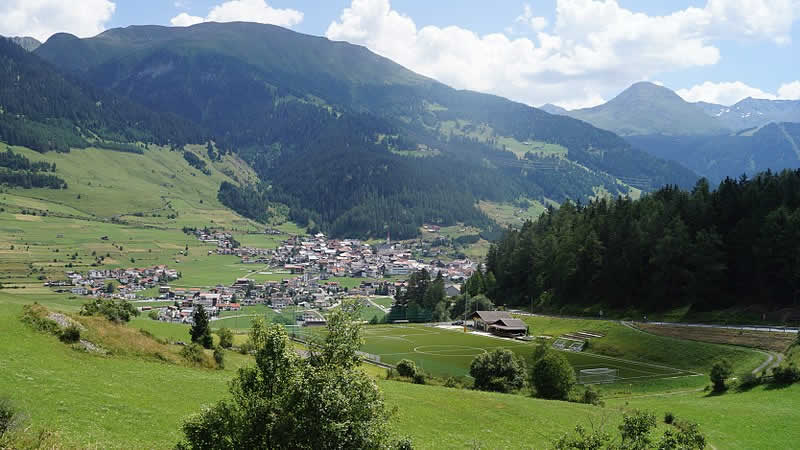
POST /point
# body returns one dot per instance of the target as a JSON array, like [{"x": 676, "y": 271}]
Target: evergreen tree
[{"x": 200, "y": 331}]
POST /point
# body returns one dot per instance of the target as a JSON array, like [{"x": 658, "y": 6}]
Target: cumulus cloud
[
  {"x": 42, "y": 18},
  {"x": 725, "y": 93},
  {"x": 594, "y": 49},
  {"x": 728, "y": 93},
  {"x": 245, "y": 11},
  {"x": 528, "y": 19},
  {"x": 790, "y": 91}
]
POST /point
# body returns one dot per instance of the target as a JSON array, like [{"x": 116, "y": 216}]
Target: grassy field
[
  {"x": 507, "y": 214},
  {"x": 444, "y": 352}
]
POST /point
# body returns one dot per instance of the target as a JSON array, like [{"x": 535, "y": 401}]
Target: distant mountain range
[
  {"x": 753, "y": 112},
  {"x": 28, "y": 43},
  {"x": 347, "y": 141},
  {"x": 646, "y": 108},
  {"x": 713, "y": 140}
]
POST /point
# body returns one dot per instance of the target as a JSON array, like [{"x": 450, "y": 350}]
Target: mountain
[
  {"x": 351, "y": 142},
  {"x": 646, "y": 108},
  {"x": 28, "y": 43},
  {"x": 44, "y": 110},
  {"x": 554, "y": 109},
  {"x": 753, "y": 112},
  {"x": 771, "y": 147}
]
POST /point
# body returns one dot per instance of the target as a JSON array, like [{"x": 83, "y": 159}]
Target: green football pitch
[{"x": 449, "y": 352}]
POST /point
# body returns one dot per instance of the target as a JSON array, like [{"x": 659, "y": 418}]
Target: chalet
[
  {"x": 452, "y": 290},
  {"x": 499, "y": 323}
]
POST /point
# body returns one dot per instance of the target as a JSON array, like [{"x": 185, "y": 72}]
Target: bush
[
  {"x": 406, "y": 368},
  {"x": 786, "y": 373},
  {"x": 498, "y": 371},
  {"x": 749, "y": 380},
  {"x": 720, "y": 372},
  {"x": 669, "y": 418},
  {"x": 194, "y": 354},
  {"x": 153, "y": 314},
  {"x": 245, "y": 348},
  {"x": 219, "y": 357},
  {"x": 553, "y": 377},
  {"x": 591, "y": 397},
  {"x": 70, "y": 335},
  {"x": 33, "y": 315},
  {"x": 452, "y": 382},
  {"x": 225, "y": 337},
  {"x": 418, "y": 378},
  {"x": 117, "y": 312}
]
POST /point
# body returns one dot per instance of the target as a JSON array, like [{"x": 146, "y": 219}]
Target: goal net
[{"x": 598, "y": 375}]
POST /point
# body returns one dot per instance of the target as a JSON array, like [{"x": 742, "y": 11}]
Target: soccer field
[{"x": 449, "y": 352}]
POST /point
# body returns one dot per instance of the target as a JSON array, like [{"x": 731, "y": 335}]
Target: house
[
  {"x": 499, "y": 323},
  {"x": 313, "y": 318},
  {"x": 451, "y": 290}
]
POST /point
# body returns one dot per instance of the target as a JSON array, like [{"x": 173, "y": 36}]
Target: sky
[{"x": 572, "y": 53}]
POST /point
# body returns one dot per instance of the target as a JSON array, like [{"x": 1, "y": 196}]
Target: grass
[
  {"x": 447, "y": 352},
  {"x": 54, "y": 384},
  {"x": 624, "y": 342},
  {"x": 507, "y": 214}
]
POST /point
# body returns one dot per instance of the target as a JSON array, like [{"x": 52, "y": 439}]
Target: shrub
[
  {"x": 749, "y": 380},
  {"x": 720, "y": 373},
  {"x": 406, "y": 368},
  {"x": 194, "y": 354},
  {"x": 153, "y": 314},
  {"x": 418, "y": 378},
  {"x": 117, "y": 312},
  {"x": 219, "y": 357},
  {"x": 498, "y": 371},
  {"x": 245, "y": 348},
  {"x": 225, "y": 337},
  {"x": 669, "y": 418},
  {"x": 553, "y": 377},
  {"x": 33, "y": 315},
  {"x": 452, "y": 382},
  {"x": 70, "y": 335},
  {"x": 786, "y": 373},
  {"x": 591, "y": 397}
]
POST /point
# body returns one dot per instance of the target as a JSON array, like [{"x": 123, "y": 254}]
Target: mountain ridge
[
  {"x": 299, "y": 107},
  {"x": 646, "y": 108}
]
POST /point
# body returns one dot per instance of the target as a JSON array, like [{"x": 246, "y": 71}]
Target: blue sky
[{"x": 570, "y": 52}]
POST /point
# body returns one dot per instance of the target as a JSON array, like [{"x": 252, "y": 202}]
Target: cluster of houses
[
  {"x": 129, "y": 281},
  {"x": 324, "y": 258}
]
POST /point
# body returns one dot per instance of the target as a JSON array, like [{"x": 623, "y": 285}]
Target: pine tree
[{"x": 200, "y": 332}]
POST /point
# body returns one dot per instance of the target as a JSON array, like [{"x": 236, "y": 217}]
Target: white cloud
[
  {"x": 597, "y": 45},
  {"x": 527, "y": 18},
  {"x": 244, "y": 11},
  {"x": 184, "y": 20},
  {"x": 725, "y": 93},
  {"x": 728, "y": 93},
  {"x": 42, "y": 18},
  {"x": 790, "y": 91}
]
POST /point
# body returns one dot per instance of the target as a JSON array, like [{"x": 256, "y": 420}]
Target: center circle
[{"x": 449, "y": 350}]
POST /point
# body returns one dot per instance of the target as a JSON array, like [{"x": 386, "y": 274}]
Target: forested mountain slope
[
  {"x": 736, "y": 245},
  {"x": 775, "y": 146},
  {"x": 44, "y": 110},
  {"x": 351, "y": 141}
]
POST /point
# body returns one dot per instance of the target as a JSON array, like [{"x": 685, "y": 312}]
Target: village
[{"x": 311, "y": 265}]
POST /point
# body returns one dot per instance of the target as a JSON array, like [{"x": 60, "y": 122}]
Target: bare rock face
[{"x": 64, "y": 321}]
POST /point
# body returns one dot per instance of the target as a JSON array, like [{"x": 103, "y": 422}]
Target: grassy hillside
[
  {"x": 53, "y": 384},
  {"x": 103, "y": 184}
]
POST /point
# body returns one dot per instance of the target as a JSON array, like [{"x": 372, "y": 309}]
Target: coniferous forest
[{"x": 738, "y": 244}]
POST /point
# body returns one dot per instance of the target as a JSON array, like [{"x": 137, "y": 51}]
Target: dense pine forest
[
  {"x": 45, "y": 110},
  {"x": 738, "y": 244}
]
